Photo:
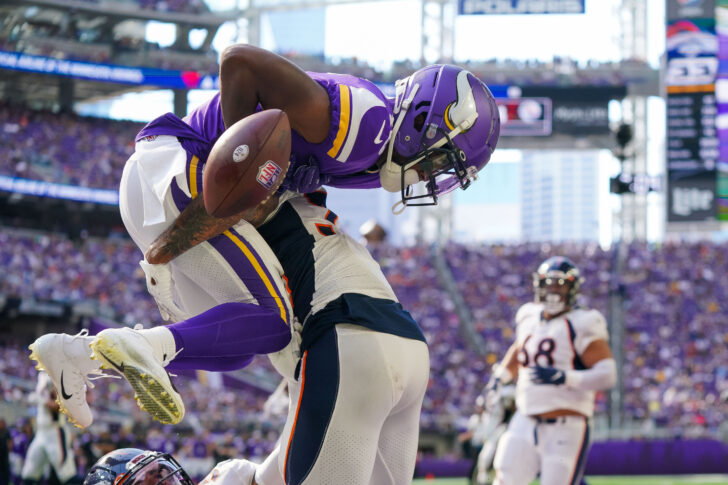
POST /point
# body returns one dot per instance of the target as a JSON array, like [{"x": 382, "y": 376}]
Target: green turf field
[{"x": 666, "y": 480}]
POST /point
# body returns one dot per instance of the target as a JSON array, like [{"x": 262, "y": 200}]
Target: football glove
[
  {"x": 304, "y": 178},
  {"x": 548, "y": 375}
]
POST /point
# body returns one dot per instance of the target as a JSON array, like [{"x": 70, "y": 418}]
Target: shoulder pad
[{"x": 526, "y": 311}]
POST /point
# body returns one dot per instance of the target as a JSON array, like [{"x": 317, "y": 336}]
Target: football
[{"x": 247, "y": 163}]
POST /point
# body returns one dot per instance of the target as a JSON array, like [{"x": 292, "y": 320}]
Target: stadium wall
[{"x": 653, "y": 457}]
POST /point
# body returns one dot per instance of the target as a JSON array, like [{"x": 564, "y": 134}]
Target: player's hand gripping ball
[{"x": 247, "y": 163}]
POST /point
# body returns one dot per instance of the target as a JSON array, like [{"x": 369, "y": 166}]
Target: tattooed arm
[{"x": 194, "y": 225}]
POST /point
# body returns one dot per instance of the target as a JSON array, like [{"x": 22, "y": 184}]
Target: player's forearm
[
  {"x": 508, "y": 369},
  {"x": 601, "y": 376},
  {"x": 193, "y": 226},
  {"x": 250, "y": 76}
]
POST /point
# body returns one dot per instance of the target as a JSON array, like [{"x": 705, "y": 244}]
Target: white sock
[{"x": 161, "y": 340}]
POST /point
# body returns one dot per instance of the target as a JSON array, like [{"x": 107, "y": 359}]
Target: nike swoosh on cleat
[
  {"x": 65, "y": 395},
  {"x": 119, "y": 367}
]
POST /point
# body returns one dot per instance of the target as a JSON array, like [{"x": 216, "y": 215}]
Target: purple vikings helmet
[
  {"x": 446, "y": 126},
  {"x": 131, "y": 466}
]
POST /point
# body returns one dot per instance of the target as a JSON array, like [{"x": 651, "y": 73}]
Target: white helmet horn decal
[{"x": 464, "y": 106}]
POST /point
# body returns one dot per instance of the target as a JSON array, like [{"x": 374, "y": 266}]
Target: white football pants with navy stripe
[
  {"x": 355, "y": 412},
  {"x": 555, "y": 450}
]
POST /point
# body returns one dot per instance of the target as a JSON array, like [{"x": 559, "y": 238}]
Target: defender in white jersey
[
  {"x": 51, "y": 444},
  {"x": 364, "y": 368},
  {"x": 560, "y": 359},
  {"x": 358, "y": 378}
]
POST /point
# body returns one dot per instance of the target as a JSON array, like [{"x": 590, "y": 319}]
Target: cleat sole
[{"x": 148, "y": 392}]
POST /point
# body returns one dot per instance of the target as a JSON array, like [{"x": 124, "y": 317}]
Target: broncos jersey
[
  {"x": 558, "y": 342},
  {"x": 360, "y": 127},
  {"x": 333, "y": 279}
]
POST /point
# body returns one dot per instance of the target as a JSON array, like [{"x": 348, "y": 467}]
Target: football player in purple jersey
[{"x": 440, "y": 128}]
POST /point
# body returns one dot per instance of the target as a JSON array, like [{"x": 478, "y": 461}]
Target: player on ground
[
  {"x": 132, "y": 466},
  {"x": 51, "y": 444},
  {"x": 560, "y": 359}
]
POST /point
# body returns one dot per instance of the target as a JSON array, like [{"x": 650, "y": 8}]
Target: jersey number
[{"x": 544, "y": 350}]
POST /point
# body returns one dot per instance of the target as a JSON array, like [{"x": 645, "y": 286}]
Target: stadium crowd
[
  {"x": 675, "y": 370},
  {"x": 64, "y": 148}
]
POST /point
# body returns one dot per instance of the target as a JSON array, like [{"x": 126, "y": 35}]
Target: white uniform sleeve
[
  {"x": 522, "y": 314},
  {"x": 231, "y": 472},
  {"x": 589, "y": 326},
  {"x": 156, "y": 174}
]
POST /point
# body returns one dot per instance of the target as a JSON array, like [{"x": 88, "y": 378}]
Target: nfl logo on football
[{"x": 268, "y": 173}]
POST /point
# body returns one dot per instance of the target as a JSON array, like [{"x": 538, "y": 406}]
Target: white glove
[{"x": 160, "y": 285}]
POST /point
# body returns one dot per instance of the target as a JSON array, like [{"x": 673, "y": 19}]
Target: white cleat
[
  {"x": 127, "y": 352},
  {"x": 67, "y": 361}
]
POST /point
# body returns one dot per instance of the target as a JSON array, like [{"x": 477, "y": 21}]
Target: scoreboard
[
  {"x": 692, "y": 138},
  {"x": 692, "y": 143}
]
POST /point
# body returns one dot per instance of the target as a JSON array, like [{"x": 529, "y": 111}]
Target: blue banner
[
  {"x": 58, "y": 191},
  {"x": 511, "y": 7},
  {"x": 137, "y": 76}
]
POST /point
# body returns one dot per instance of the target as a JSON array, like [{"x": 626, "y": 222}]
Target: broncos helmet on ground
[
  {"x": 559, "y": 271},
  {"x": 446, "y": 126},
  {"x": 132, "y": 466}
]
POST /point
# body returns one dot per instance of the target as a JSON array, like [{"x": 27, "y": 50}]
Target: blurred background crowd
[{"x": 676, "y": 373}]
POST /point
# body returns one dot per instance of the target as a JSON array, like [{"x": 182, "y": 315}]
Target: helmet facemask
[
  {"x": 554, "y": 291},
  {"x": 154, "y": 469},
  {"x": 431, "y": 131},
  {"x": 435, "y": 162},
  {"x": 556, "y": 285}
]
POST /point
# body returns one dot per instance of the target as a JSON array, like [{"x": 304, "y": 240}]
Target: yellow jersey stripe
[
  {"x": 264, "y": 278},
  {"x": 193, "y": 176},
  {"x": 344, "y": 116}
]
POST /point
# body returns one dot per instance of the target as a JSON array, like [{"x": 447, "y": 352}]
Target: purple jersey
[
  {"x": 20, "y": 442},
  {"x": 361, "y": 123},
  {"x": 360, "y": 127}
]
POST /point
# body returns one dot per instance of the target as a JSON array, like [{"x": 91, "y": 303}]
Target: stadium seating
[
  {"x": 674, "y": 342},
  {"x": 64, "y": 148}
]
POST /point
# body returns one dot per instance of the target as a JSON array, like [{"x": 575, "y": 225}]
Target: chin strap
[
  {"x": 390, "y": 175},
  {"x": 398, "y": 210}
]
